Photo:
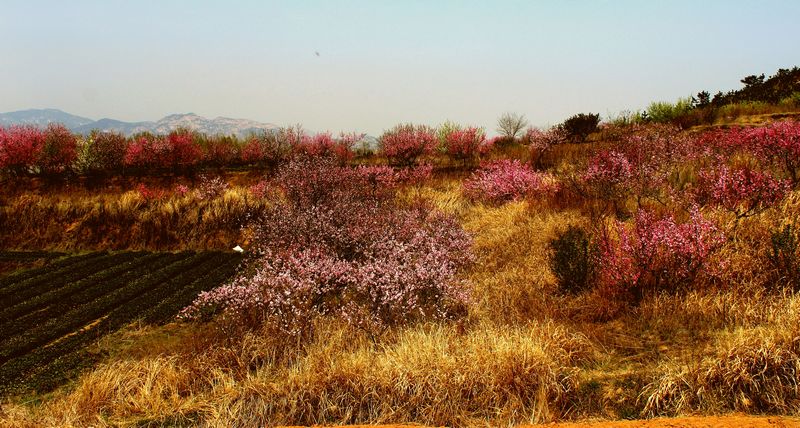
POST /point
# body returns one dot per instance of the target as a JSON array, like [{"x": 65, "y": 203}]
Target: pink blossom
[{"x": 507, "y": 180}]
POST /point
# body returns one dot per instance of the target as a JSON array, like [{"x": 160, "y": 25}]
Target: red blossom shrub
[
  {"x": 465, "y": 144},
  {"x": 743, "y": 191},
  {"x": 182, "y": 151},
  {"x": 325, "y": 145},
  {"x": 146, "y": 151},
  {"x": 334, "y": 247},
  {"x": 507, "y": 180},
  {"x": 776, "y": 145},
  {"x": 150, "y": 194},
  {"x": 654, "y": 254},
  {"x": 779, "y": 144},
  {"x": 608, "y": 175},
  {"x": 404, "y": 144},
  {"x": 181, "y": 190},
  {"x": 20, "y": 148},
  {"x": 59, "y": 151}
]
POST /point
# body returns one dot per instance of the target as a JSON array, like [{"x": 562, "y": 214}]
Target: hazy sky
[{"x": 382, "y": 62}]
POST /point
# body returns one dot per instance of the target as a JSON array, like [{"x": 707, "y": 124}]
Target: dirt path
[{"x": 729, "y": 421}]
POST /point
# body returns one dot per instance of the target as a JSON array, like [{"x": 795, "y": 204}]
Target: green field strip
[
  {"x": 33, "y": 273},
  {"x": 20, "y": 291},
  {"x": 80, "y": 316},
  {"x": 169, "y": 307},
  {"x": 66, "y": 279},
  {"x": 50, "y": 305},
  {"x": 34, "y": 363}
]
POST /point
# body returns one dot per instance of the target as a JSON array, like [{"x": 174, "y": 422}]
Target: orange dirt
[
  {"x": 689, "y": 422},
  {"x": 729, "y": 421}
]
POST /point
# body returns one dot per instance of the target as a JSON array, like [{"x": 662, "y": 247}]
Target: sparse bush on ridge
[{"x": 578, "y": 127}]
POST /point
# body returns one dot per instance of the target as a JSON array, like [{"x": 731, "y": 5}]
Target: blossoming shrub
[
  {"x": 742, "y": 191},
  {"x": 182, "y": 151},
  {"x": 324, "y": 144},
  {"x": 104, "y": 152},
  {"x": 775, "y": 146},
  {"x": 20, "y": 148},
  {"x": 59, "y": 151},
  {"x": 211, "y": 187},
  {"x": 779, "y": 144},
  {"x": 608, "y": 175},
  {"x": 465, "y": 145},
  {"x": 334, "y": 247},
  {"x": 541, "y": 142},
  {"x": 507, "y": 180},
  {"x": 404, "y": 144},
  {"x": 654, "y": 254},
  {"x": 145, "y": 151}
]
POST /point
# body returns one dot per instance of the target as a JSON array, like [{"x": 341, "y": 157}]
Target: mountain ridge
[{"x": 171, "y": 122}]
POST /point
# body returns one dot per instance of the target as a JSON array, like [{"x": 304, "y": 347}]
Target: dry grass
[
  {"x": 525, "y": 354},
  {"x": 125, "y": 221},
  {"x": 434, "y": 374}
]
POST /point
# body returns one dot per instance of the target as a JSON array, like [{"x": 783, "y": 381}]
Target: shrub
[
  {"x": 104, "y": 152},
  {"x": 541, "y": 142},
  {"x": 577, "y": 128},
  {"x": 404, "y": 144},
  {"x": 211, "y": 187},
  {"x": 267, "y": 149},
  {"x": 146, "y": 151},
  {"x": 465, "y": 144},
  {"x": 608, "y": 175},
  {"x": 20, "y": 148},
  {"x": 742, "y": 191},
  {"x": 654, "y": 254},
  {"x": 779, "y": 144},
  {"x": 572, "y": 259},
  {"x": 507, "y": 180},
  {"x": 785, "y": 256},
  {"x": 182, "y": 150},
  {"x": 59, "y": 151},
  {"x": 666, "y": 112},
  {"x": 220, "y": 150},
  {"x": 325, "y": 145},
  {"x": 150, "y": 194},
  {"x": 333, "y": 247}
]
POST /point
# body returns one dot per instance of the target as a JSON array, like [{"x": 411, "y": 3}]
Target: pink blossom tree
[
  {"x": 404, "y": 144},
  {"x": 507, "y": 180}
]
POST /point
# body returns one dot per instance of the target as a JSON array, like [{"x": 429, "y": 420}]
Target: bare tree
[{"x": 511, "y": 124}]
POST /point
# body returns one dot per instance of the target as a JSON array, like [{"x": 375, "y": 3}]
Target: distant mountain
[
  {"x": 42, "y": 117},
  {"x": 126, "y": 128},
  {"x": 82, "y": 125}
]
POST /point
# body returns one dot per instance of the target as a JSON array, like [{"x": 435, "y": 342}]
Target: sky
[{"x": 368, "y": 65}]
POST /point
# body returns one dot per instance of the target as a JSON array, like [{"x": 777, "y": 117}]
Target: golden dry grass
[
  {"x": 125, "y": 221},
  {"x": 525, "y": 354}
]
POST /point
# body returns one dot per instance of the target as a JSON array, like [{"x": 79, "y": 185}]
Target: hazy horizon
[{"x": 366, "y": 66}]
